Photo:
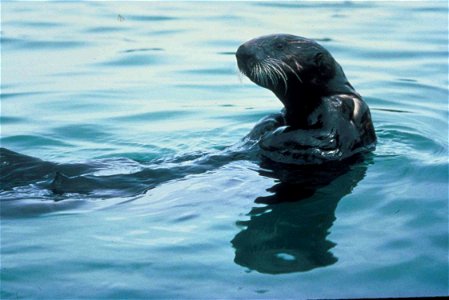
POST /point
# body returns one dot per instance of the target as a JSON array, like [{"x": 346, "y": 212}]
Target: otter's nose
[{"x": 243, "y": 53}]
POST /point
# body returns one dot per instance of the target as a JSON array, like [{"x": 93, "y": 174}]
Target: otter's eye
[{"x": 279, "y": 46}]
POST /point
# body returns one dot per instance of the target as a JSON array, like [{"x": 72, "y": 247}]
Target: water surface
[{"x": 122, "y": 86}]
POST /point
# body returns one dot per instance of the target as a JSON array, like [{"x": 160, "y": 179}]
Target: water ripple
[
  {"x": 150, "y": 18},
  {"x": 30, "y": 141},
  {"x": 155, "y": 116},
  {"x": 128, "y": 98},
  {"x": 48, "y": 45},
  {"x": 133, "y": 60}
]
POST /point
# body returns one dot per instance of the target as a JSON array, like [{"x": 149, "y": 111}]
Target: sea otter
[{"x": 324, "y": 119}]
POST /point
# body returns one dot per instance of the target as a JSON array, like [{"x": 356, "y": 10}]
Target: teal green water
[{"x": 126, "y": 84}]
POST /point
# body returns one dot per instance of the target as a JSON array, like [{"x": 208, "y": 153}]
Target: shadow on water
[{"x": 289, "y": 234}]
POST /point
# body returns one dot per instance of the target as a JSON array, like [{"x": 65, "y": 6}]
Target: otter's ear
[{"x": 325, "y": 64}]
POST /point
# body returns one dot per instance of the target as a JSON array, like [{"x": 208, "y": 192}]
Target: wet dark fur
[{"x": 324, "y": 118}]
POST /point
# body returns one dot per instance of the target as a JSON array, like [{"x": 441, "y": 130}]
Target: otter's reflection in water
[{"x": 289, "y": 234}]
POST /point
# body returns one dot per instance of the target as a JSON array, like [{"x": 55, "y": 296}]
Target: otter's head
[{"x": 291, "y": 66}]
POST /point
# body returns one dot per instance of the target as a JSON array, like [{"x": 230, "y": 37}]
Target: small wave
[
  {"x": 106, "y": 29},
  {"x": 403, "y": 141},
  {"x": 155, "y": 116},
  {"x": 50, "y": 45},
  {"x": 149, "y": 18},
  {"x": 33, "y": 141},
  {"x": 211, "y": 71},
  {"x": 133, "y": 60},
  {"x": 142, "y": 50}
]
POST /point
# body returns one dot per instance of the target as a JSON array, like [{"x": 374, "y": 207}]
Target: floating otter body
[{"x": 324, "y": 118}]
